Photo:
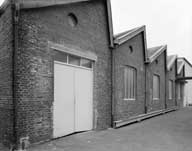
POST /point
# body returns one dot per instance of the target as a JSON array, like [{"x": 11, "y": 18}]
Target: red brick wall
[
  {"x": 159, "y": 69},
  {"x": 127, "y": 108},
  {"x": 171, "y": 75},
  {"x": 6, "y": 101},
  {"x": 34, "y": 64}
]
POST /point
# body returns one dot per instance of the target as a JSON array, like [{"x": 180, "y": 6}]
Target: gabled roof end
[
  {"x": 125, "y": 36},
  {"x": 154, "y": 52}
]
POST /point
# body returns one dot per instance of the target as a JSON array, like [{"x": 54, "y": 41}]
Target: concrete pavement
[{"x": 168, "y": 132}]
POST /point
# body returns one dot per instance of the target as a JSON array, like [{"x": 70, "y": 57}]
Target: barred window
[
  {"x": 156, "y": 87},
  {"x": 129, "y": 83},
  {"x": 170, "y": 89}
]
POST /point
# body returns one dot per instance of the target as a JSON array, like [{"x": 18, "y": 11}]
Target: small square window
[
  {"x": 74, "y": 60},
  {"x": 60, "y": 56},
  {"x": 86, "y": 63}
]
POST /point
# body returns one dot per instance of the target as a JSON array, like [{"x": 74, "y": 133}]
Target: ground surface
[{"x": 169, "y": 132}]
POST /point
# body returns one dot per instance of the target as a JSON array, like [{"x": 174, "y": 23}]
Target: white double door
[{"x": 73, "y": 105}]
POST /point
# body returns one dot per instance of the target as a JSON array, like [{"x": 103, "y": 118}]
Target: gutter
[
  {"x": 110, "y": 23},
  {"x": 15, "y": 19},
  {"x": 166, "y": 80}
]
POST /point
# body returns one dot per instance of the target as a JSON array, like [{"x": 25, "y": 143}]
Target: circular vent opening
[
  {"x": 72, "y": 19},
  {"x": 131, "y": 49}
]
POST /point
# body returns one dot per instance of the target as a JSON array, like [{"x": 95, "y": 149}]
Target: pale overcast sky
[{"x": 167, "y": 22}]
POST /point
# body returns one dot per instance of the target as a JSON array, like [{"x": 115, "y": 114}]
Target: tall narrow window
[
  {"x": 156, "y": 87},
  {"x": 178, "y": 91},
  {"x": 129, "y": 83},
  {"x": 170, "y": 89}
]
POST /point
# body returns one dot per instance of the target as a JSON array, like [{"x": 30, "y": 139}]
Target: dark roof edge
[
  {"x": 185, "y": 60},
  {"x": 25, "y": 4},
  {"x": 171, "y": 63},
  {"x": 125, "y": 37},
  {"x": 158, "y": 53},
  {"x": 42, "y": 3}
]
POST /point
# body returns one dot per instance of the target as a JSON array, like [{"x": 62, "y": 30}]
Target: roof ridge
[
  {"x": 124, "y": 36},
  {"x": 126, "y": 32},
  {"x": 158, "y": 51}
]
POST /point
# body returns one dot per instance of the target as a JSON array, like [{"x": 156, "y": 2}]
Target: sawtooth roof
[
  {"x": 125, "y": 36},
  {"x": 154, "y": 52}
]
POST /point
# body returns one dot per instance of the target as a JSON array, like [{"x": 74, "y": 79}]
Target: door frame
[{"x": 93, "y": 104}]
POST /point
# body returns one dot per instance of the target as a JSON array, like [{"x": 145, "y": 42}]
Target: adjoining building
[
  {"x": 156, "y": 79},
  {"x": 180, "y": 84},
  {"x": 188, "y": 86},
  {"x": 171, "y": 81},
  {"x": 129, "y": 58}
]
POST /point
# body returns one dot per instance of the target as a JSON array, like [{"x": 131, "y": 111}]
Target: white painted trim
[
  {"x": 156, "y": 99},
  {"x": 73, "y": 51},
  {"x": 129, "y": 99},
  {"x": 62, "y": 63},
  {"x": 92, "y": 87}
]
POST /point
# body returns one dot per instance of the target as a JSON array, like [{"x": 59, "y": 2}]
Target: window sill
[
  {"x": 129, "y": 99},
  {"x": 155, "y": 99}
]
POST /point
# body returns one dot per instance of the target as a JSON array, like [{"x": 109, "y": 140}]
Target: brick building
[
  {"x": 60, "y": 72},
  {"x": 156, "y": 78},
  {"x": 47, "y": 47},
  {"x": 171, "y": 81},
  {"x": 188, "y": 86},
  {"x": 129, "y": 58},
  {"x": 180, "y": 84}
]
